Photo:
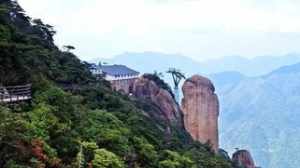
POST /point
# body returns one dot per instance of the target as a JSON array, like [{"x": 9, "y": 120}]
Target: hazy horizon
[
  {"x": 195, "y": 28},
  {"x": 199, "y": 61}
]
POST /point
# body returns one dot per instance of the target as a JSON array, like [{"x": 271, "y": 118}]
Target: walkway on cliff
[{"x": 15, "y": 94}]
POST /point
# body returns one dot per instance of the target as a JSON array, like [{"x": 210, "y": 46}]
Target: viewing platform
[{"x": 15, "y": 94}]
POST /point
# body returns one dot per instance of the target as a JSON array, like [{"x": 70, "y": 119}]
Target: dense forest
[{"x": 74, "y": 119}]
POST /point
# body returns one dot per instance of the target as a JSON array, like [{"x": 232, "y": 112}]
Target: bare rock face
[
  {"x": 147, "y": 89},
  {"x": 243, "y": 158},
  {"x": 200, "y": 107}
]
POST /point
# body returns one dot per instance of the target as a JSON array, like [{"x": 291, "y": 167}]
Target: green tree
[
  {"x": 42, "y": 122},
  {"x": 45, "y": 30},
  {"x": 68, "y": 48},
  {"x": 106, "y": 130},
  {"x": 173, "y": 159},
  {"x": 146, "y": 153},
  {"x": 80, "y": 160},
  {"x": 5, "y": 34},
  {"x": 177, "y": 77},
  {"x": 89, "y": 150},
  {"x": 106, "y": 159}
]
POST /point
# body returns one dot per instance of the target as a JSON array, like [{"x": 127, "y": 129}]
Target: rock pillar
[{"x": 200, "y": 107}]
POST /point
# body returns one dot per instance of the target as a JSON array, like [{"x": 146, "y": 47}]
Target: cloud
[
  {"x": 118, "y": 25},
  {"x": 137, "y": 16}
]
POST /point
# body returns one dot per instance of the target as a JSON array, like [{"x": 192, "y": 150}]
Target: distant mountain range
[
  {"x": 151, "y": 61},
  {"x": 262, "y": 114},
  {"x": 250, "y": 67}
]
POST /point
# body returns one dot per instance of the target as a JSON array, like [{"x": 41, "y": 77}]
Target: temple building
[{"x": 121, "y": 77}]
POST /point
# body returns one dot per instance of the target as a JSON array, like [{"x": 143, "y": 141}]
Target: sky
[{"x": 200, "y": 29}]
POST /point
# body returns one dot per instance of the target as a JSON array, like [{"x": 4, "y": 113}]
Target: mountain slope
[
  {"x": 262, "y": 114},
  {"x": 75, "y": 120},
  {"x": 226, "y": 80}
]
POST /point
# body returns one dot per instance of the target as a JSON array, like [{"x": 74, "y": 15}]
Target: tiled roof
[{"x": 118, "y": 70}]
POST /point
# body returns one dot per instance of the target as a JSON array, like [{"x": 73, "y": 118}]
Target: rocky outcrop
[
  {"x": 147, "y": 89},
  {"x": 243, "y": 158},
  {"x": 201, "y": 110}
]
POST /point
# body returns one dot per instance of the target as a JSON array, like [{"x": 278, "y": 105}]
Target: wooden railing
[{"x": 15, "y": 94}]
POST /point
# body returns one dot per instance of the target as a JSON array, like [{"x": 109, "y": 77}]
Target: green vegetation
[
  {"x": 105, "y": 159},
  {"x": 159, "y": 82},
  {"x": 74, "y": 120}
]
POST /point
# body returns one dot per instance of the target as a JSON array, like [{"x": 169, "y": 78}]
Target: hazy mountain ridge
[
  {"x": 151, "y": 61},
  {"x": 225, "y": 81},
  {"x": 262, "y": 114},
  {"x": 256, "y": 66},
  {"x": 148, "y": 62}
]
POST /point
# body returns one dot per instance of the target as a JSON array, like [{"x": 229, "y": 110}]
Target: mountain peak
[{"x": 295, "y": 68}]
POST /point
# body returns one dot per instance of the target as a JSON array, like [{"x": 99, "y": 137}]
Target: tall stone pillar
[{"x": 200, "y": 106}]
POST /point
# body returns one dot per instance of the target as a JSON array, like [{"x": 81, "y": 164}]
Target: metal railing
[{"x": 14, "y": 94}]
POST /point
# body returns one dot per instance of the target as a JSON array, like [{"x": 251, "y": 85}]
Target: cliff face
[
  {"x": 201, "y": 110},
  {"x": 161, "y": 98},
  {"x": 243, "y": 158}
]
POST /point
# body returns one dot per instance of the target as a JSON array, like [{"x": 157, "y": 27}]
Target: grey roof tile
[{"x": 118, "y": 70}]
